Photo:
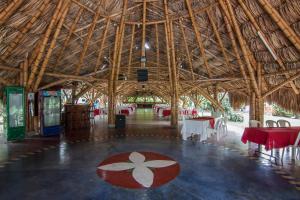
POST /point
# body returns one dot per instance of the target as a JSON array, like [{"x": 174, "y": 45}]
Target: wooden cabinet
[{"x": 77, "y": 117}]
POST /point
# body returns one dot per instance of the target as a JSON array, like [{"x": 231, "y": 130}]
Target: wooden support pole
[
  {"x": 10, "y": 10},
  {"x": 157, "y": 51},
  {"x": 44, "y": 42},
  {"x": 252, "y": 115},
  {"x": 187, "y": 49},
  {"x": 143, "y": 49},
  {"x": 74, "y": 88},
  {"x": 21, "y": 74},
  {"x": 174, "y": 117},
  {"x": 242, "y": 44},
  {"x": 237, "y": 55},
  {"x": 168, "y": 54},
  {"x": 174, "y": 88},
  {"x": 25, "y": 79},
  {"x": 52, "y": 45},
  {"x": 111, "y": 92},
  {"x": 130, "y": 52}
]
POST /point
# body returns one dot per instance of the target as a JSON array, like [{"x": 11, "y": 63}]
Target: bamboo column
[
  {"x": 157, "y": 51},
  {"x": 130, "y": 52},
  {"x": 143, "y": 52},
  {"x": 118, "y": 57},
  {"x": 237, "y": 55},
  {"x": 168, "y": 55},
  {"x": 25, "y": 79},
  {"x": 260, "y": 101},
  {"x": 174, "y": 93},
  {"x": 242, "y": 44},
  {"x": 174, "y": 119},
  {"x": 21, "y": 74},
  {"x": 74, "y": 93},
  {"x": 111, "y": 82},
  {"x": 44, "y": 42},
  {"x": 252, "y": 115},
  {"x": 52, "y": 45}
]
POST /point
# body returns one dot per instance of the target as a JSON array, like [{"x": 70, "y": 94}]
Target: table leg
[
  {"x": 293, "y": 153},
  {"x": 259, "y": 148}
]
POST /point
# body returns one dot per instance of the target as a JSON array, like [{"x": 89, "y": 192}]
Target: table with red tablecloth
[
  {"x": 210, "y": 119},
  {"x": 166, "y": 113},
  {"x": 199, "y": 126},
  {"x": 125, "y": 111},
  {"x": 96, "y": 112},
  {"x": 271, "y": 138}
]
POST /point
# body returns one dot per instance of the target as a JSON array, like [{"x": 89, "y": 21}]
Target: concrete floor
[{"x": 66, "y": 167}]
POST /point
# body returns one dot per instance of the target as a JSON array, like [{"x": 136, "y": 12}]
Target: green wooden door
[{"x": 15, "y": 113}]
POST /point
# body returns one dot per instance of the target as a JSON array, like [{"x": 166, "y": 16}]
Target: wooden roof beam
[
  {"x": 87, "y": 41},
  {"x": 263, "y": 37},
  {"x": 42, "y": 70},
  {"x": 198, "y": 36},
  {"x": 68, "y": 38},
  {"x": 44, "y": 42},
  {"x": 282, "y": 24},
  {"x": 10, "y": 10}
]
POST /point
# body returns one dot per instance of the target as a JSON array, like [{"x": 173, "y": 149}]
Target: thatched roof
[{"x": 69, "y": 40}]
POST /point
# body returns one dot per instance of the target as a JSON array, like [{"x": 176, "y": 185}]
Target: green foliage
[
  {"x": 232, "y": 116},
  {"x": 235, "y": 117},
  {"x": 278, "y": 111}
]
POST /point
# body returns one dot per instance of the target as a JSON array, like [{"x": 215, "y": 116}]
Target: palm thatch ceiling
[{"x": 238, "y": 46}]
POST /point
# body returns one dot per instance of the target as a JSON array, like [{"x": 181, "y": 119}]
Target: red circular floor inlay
[{"x": 138, "y": 169}]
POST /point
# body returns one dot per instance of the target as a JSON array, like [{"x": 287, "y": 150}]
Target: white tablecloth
[{"x": 195, "y": 127}]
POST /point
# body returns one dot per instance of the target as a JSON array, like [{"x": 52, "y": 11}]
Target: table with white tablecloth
[{"x": 192, "y": 127}]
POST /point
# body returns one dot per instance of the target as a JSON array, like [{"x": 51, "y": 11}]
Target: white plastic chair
[
  {"x": 283, "y": 123},
  {"x": 254, "y": 123},
  {"x": 271, "y": 123},
  {"x": 218, "y": 129},
  {"x": 297, "y": 146}
]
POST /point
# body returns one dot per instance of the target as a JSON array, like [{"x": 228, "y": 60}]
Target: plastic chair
[
  {"x": 297, "y": 146},
  {"x": 271, "y": 123},
  {"x": 283, "y": 123},
  {"x": 254, "y": 123},
  {"x": 218, "y": 129}
]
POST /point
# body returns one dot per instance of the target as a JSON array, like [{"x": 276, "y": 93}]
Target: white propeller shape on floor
[{"x": 141, "y": 172}]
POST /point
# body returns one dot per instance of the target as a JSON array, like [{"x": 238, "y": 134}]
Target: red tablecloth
[
  {"x": 211, "y": 120},
  {"x": 166, "y": 113},
  {"x": 125, "y": 111},
  {"x": 271, "y": 137},
  {"x": 194, "y": 112},
  {"x": 96, "y": 112}
]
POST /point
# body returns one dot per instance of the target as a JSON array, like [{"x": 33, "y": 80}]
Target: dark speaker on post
[{"x": 142, "y": 75}]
